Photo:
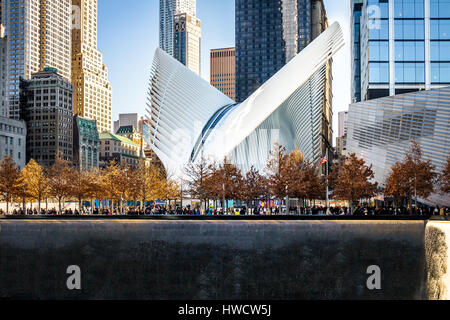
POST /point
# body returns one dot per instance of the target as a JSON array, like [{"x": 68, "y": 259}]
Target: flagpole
[{"x": 327, "y": 200}]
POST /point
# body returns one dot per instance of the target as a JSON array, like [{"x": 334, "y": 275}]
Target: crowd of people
[{"x": 188, "y": 211}]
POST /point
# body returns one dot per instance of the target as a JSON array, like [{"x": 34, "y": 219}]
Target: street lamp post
[
  {"x": 223, "y": 209},
  {"x": 327, "y": 197}
]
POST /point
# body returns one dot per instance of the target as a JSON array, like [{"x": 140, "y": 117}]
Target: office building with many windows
[
  {"x": 38, "y": 36},
  {"x": 187, "y": 41},
  {"x": 46, "y": 107},
  {"x": 3, "y": 73},
  {"x": 401, "y": 46},
  {"x": 92, "y": 90},
  {"x": 167, "y": 11},
  {"x": 223, "y": 71},
  {"x": 13, "y": 140},
  {"x": 118, "y": 149}
]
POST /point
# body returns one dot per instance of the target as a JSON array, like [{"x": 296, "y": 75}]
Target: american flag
[{"x": 323, "y": 160}]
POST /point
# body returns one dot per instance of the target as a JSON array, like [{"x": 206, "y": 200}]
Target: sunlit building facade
[
  {"x": 92, "y": 90},
  {"x": 167, "y": 10},
  {"x": 223, "y": 71},
  {"x": 38, "y": 36},
  {"x": 86, "y": 144},
  {"x": 187, "y": 41},
  {"x": 381, "y": 131},
  {"x": 401, "y": 46}
]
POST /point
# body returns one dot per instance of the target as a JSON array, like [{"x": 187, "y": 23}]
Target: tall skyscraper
[
  {"x": 187, "y": 41},
  {"x": 92, "y": 98},
  {"x": 269, "y": 34},
  {"x": 341, "y": 139},
  {"x": 355, "y": 25},
  {"x": 400, "y": 46},
  {"x": 342, "y": 123},
  {"x": 3, "y": 67},
  {"x": 1, "y": 12},
  {"x": 38, "y": 36},
  {"x": 223, "y": 71},
  {"x": 167, "y": 10}
]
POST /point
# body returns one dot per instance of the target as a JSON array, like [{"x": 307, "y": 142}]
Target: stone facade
[
  {"x": 13, "y": 140},
  {"x": 46, "y": 107},
  {"x": 86, "y": 143}
]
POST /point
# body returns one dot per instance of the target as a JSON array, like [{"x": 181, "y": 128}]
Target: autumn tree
[
  {"x": 95, "y": 186},
  {"x": 80, "y": 186},
  {"x": 197, "y": 174},
  {"x": 9, "y": 180},
  {"x": 227, "y": 181},
  {"x": 153, "y": 183},
  {"x": 25, "y": 184},
  {"x": 315, "y": 185},
  {"x": 276, "y": 170},
  {"x": 36, "y": 181},
  {"x": 59, "y": 181},
  {"x": 412, "y": 178},
  {"x": 295, "y": 173},
  {"x": 445, "y": 177},
  {"x": 136, "y": 182},
  {"x": 397, "y": 184},
  {"x": 254, "y": 186},
  {"x": 170, "y": 188},
  {"x": 116, "y": 179},
  {"x": 352, "y": 181}
]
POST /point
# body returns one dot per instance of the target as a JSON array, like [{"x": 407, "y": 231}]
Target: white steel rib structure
[{"x": 190, "y": 118}]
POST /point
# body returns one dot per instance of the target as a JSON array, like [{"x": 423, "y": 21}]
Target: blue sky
[{"x": 128, "y": 37}]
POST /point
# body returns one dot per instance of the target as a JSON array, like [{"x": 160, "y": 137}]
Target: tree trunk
[
  {"x": 415, "y": 194},
  {"x": 24, "y": 206},
  {"x": 39, "y": 205},
  {"x": 288, "y": 206},
  {"x": 7, "y": 206},
  {"x": 59, "y": 203}
]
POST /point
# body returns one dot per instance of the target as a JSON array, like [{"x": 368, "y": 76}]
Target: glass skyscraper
[
  {"x": 167, "y": 10},
  {"x": 269, "y": 33},
  {"x": 399, "y": 46}
]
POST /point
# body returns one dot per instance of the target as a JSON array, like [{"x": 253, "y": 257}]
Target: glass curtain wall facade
[
  {"x": 402, "y": 46},
  {"x": 3, "y": 74},
  {"x": 269, "y": 33},
  {"x": 356, "y": 49},
  {"x": 381, "y": 131}
]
